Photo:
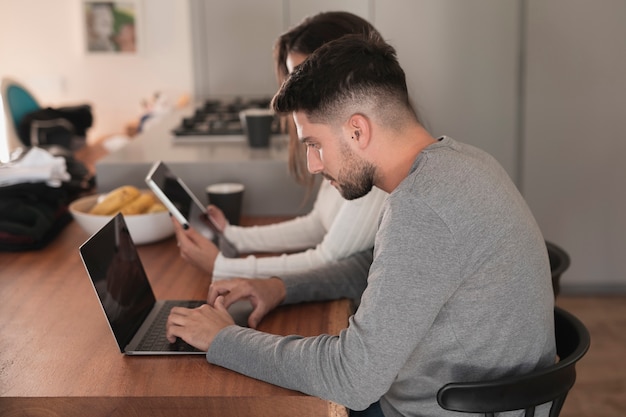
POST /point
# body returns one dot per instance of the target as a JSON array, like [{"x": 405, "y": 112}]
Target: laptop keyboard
[{"x": 155, "y": 339}]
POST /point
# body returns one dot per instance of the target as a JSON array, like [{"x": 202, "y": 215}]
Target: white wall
[
  {"x": 42, "y": 46},
  {"x": 461, "y": 59},
  {"x": 574, "y": 141}
]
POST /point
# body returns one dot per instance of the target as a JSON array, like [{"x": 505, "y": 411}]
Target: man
[{"x": 459, "y": 286}]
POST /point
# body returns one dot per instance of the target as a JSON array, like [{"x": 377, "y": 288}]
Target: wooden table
[{"x": 58, "y": 356}]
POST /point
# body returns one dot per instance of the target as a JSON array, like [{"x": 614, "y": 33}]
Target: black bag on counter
[
  {"x": 63, "y": 126},
  {"x": 31, "y": 215}
]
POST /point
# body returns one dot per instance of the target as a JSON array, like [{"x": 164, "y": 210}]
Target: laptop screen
[{"x": 119, "y": 279}]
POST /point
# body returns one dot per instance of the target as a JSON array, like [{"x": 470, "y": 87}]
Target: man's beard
[{"x": 355, "y": 178}]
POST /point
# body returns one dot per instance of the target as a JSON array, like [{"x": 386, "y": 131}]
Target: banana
[
  {"x": 139, "y": 205},
  {"x": 156, "y": 208},
  {"x": 115, "y": 200}
]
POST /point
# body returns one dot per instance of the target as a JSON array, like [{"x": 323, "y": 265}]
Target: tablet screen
[{"x": 185, "y": 206}]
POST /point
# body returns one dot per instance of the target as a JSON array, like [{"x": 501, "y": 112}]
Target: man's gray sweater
[{"x": 459, "y": 289}]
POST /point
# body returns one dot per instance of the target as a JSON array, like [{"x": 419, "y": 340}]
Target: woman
[{"x": 335, "y": 228}]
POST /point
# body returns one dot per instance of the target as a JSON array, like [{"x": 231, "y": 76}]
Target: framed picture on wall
[{"x": 111, "y": 26}]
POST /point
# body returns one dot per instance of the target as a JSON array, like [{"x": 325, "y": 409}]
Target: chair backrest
[
  {"x": 20, "y": 102},
  {"x": 15, "y": 103},
  {"x": 525, "y": 392},
  {"x": 559, "y": 262}
]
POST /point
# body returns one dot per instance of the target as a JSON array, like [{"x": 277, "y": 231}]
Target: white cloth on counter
[{"x": 37, "y": 165}]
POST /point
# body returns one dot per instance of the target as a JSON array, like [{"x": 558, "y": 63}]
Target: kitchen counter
[{"x": 270, "y": 190}]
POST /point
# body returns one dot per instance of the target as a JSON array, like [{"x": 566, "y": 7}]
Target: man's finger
[
  {"x": 215, "y": 290},
  {"x": 233, "y": 290},
  {"x": 220, "y": 304},
  {"x": 239, "y": 290},
  {"x": 174, "y": 321},
  {"x": 179, "y": 311}
]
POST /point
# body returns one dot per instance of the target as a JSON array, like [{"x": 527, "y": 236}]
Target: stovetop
[{"x": 220, "y": 118}]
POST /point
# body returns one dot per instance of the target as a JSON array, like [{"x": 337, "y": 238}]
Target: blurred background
[{"x": 540, "y": 84}]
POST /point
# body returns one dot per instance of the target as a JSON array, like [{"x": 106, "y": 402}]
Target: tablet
[{"x": 185, "y": 206}]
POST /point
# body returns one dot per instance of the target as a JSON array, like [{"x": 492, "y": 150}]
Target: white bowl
[{"x": 143, "y": 228}]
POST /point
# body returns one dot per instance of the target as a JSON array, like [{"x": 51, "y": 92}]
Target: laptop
[
  {"x": 136, "y": 319},
  {"x": 185, "y": 206}
]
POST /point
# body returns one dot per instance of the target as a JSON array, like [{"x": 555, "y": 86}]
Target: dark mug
[
  {"x": 257, "y": 125},
  {"x": 228, "y": 198}
]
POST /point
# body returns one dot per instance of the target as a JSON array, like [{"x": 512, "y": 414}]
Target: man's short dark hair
[{"x": 345, "y": 75}]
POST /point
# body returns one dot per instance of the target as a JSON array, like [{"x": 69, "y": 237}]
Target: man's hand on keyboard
[{"x": 198, "y": 326}]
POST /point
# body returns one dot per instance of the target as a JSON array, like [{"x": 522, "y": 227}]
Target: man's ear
[{"x": 359, "y": 129}]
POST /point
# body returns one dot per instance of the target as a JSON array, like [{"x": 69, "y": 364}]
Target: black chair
[
  {"x": 525, "y": 392},
  {"x": 559, "y": 262}
]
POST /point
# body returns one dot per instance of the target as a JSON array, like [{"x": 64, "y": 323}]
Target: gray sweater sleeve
[
  {"x": 272, "y": 358},
  {"x": 345, "y": 278},
  {"x": 357, "y": 367}
]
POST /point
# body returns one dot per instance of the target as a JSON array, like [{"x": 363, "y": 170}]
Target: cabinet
[{"x": 233, "y": 41}]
